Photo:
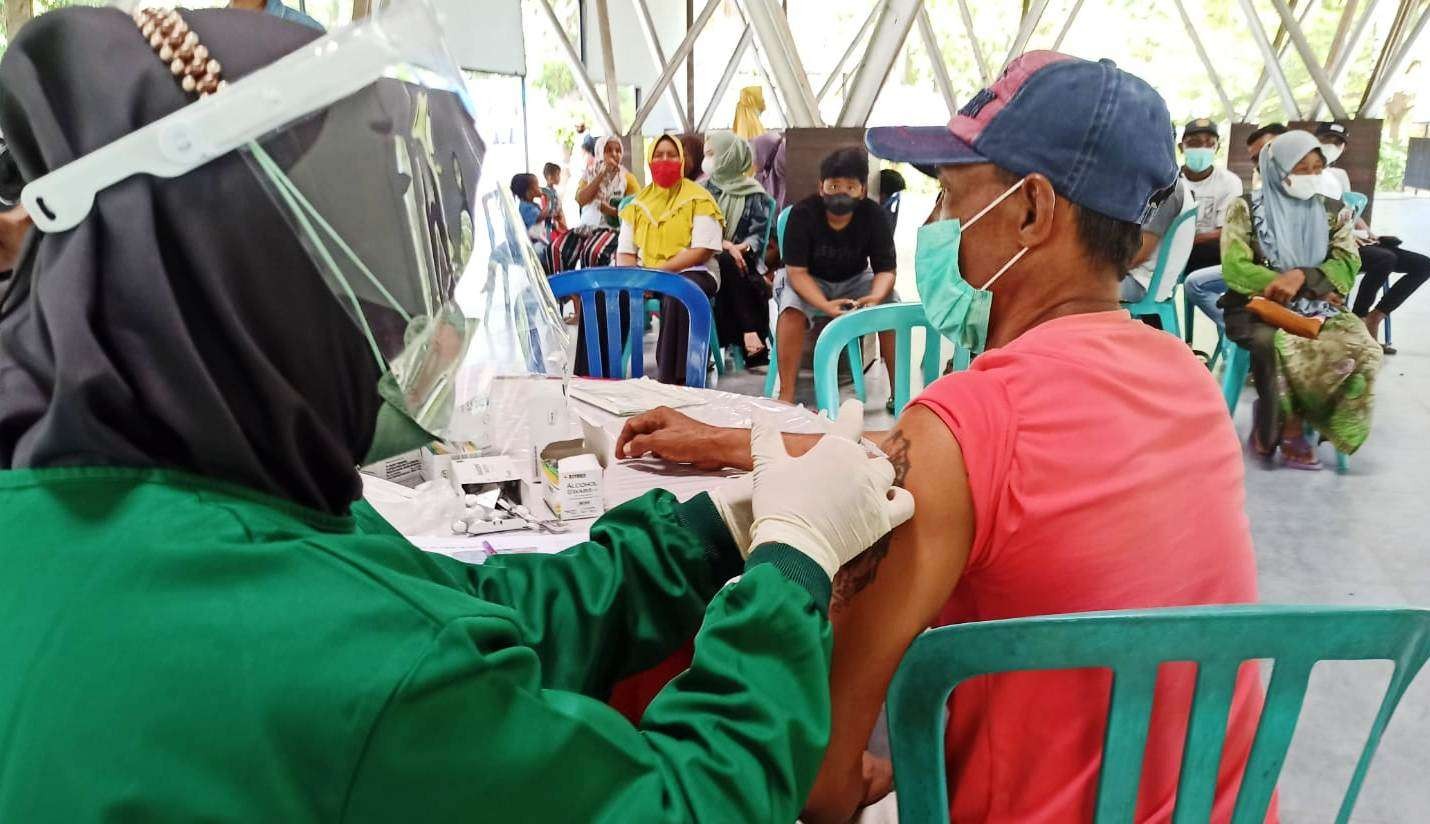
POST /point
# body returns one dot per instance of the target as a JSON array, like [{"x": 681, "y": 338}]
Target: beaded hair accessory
[{"x": 179, "y": 46}]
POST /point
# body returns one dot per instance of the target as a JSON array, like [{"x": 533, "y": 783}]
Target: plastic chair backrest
[
  {"x": 615, "y": 283},
  {"x": 901, "y": 318},
  {"x": 1173, "y": 253},
  {"x": 1132, "y": 644},
  {"x": 892, "y": 206},
  {"x": 1356, "y": 202},
  {"x": 625, "y": 201},
  {"x": 780, "y": 228}
]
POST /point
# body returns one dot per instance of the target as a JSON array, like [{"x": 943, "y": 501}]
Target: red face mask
[{"x": 666, "y": 173}]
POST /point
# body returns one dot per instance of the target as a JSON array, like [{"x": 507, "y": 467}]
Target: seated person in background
[
  {"x": 1379, "y": 256},
  {"x": 1144, "y": 263},
  {"x": 531, "y": 202},
  {"x": 1039, "y": 478},
  {"x": 769, "y": 149},
  {"x": 556, "y": 220},
  {"x": 592, "y": 241},
  {"x": 1212, "y": 187},
  {"x": 891, "y": 184},
  {"x": 742, "y": 315},
  {"x": 675, "y": 225},
  {"x": 693, "y": 146},
  {"x": 839, "y": 256},
  {"x": 1204, "y": 285},
  {"x": 601, "y": 188},
  {"x": 1292, "y": 245}
]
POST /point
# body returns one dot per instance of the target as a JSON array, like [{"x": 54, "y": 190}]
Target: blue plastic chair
[
  {"x": 854, "y": 351},
  {"x": 901, "y": 319},
  {"x": 1132, "y": 644},
  {"x": 615, "y": 282},
  {"x": 1172, "y": 254},
  {"x": 1233, "y": 378}
]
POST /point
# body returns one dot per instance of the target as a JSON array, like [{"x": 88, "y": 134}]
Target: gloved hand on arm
[
  {"x": 734, "y": 498},
  {"x": 831, "y": 503}
]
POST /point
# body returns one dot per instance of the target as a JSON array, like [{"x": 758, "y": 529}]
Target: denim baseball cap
[{"x": 1100, "y": 134}]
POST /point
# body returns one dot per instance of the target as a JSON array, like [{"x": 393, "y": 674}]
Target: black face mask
[{"x": 840, "y": 204}]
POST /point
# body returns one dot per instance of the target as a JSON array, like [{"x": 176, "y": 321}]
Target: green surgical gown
[{"x": 177, "y": 649}]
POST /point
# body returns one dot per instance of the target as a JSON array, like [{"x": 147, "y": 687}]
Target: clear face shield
[{"x": 367, "y": 142}]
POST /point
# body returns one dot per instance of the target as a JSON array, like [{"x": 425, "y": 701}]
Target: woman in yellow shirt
[{"x": 672, "y": 224}]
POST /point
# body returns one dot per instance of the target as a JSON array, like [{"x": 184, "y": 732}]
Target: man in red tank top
[{"x": 1084, "y": 461}]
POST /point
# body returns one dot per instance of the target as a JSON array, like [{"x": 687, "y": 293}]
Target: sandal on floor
[
  {"x": 1388, "y": 349},
  {"x": 1292, "y": 447},
  {"x": 758, "y": 358}
]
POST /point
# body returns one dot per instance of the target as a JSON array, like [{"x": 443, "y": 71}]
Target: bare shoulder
[{"x": 928, "y": 463}]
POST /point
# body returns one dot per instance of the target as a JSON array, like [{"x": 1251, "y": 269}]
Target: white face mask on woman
[
  {"x": 708, "y": 165},
  {"x": 1303, "y": 187}
]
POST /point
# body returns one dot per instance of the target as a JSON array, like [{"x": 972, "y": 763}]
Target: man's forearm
[
  {"x": 734, "y": 445},
  {"x": 802, "y": 282}
]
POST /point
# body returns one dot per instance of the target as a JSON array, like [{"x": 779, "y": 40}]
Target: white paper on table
[
  {"x": 472, "y": 549},
  {"x": 630, "y": 479},
  {"x": 632, "y": 397}
]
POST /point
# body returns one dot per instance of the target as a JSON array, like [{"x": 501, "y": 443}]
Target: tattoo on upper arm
[{"x": 860, "y": 573}]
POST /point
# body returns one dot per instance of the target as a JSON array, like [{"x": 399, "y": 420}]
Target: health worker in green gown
[{"x": 229, "y": 303}]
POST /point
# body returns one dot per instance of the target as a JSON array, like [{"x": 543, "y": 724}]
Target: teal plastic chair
[
  {"x": 1233, "y": 378},
  {"x": 1172, "y": 255},
  {"x": 1356, "y": 202},
  {"x": 901, "y": 319},
  {"x": 1132, "y": 644},
  {"x": 854, "y": 351}
]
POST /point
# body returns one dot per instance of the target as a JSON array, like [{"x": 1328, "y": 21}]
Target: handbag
[{"x": 1272, "y": 313}]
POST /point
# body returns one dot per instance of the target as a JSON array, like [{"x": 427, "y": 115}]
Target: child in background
[
  {"x": 556, "y": 220},
  {"x": 535, "y": 208}
]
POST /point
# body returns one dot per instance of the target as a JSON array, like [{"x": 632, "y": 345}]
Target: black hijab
[{"x": 181, "y": 325}]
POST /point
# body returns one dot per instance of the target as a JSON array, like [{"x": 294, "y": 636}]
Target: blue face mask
[
  {"x": 1199, "y": 160},
  {"x": 956, "y": 308}
]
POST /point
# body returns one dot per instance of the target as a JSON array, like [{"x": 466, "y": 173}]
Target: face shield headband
[{"x": 366, "y": 141}]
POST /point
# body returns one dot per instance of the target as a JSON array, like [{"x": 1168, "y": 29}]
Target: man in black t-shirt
[{"x": 838, "y": 248}]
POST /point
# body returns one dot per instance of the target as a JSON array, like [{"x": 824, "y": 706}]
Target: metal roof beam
[
  {"x": 896, "y": 17},
  {"x": 1273, "y": 66},
  {"x": 1308, "y": 57}
]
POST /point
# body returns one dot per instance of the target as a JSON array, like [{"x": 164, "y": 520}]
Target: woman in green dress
[{"x": 1290, "y": 244}]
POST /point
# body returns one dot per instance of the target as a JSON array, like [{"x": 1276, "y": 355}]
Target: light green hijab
[{"x": 730, "y": 176}]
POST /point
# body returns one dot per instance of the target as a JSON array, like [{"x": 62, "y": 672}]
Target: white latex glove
[
  {"x": 832, "y": 503},
  {"x": 732, "y": 500}
]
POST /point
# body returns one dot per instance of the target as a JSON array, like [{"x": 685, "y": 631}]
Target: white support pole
[
  {"x": 578, "y": 71},
  {"x": 890, "y": 31},
  {"x": 1273, "y": 66},
  {"x": 1373, "y": 99},
  {"x": 1206, "y": 61},
  {"x": 652, "y": 42},
  {"x": 608, "y": 61},
  {"x": 668, "y": 73},
  {"x": 769, "y": 83},
  {"x": 1346, "y": 53},
  {"x": 1025, "y": 31},
  {"x": 848, "y": 50},
  {"x": 731, "y": 69},
  {"x": 973, "y": 43},
  {"x": 935, "y": 55},
  {"x": 1308, "y": 57},
  {"x": 1258, "y": 93},
  {"x": 1067, "y": 24},
  {"x": 775, "y": 44}
]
